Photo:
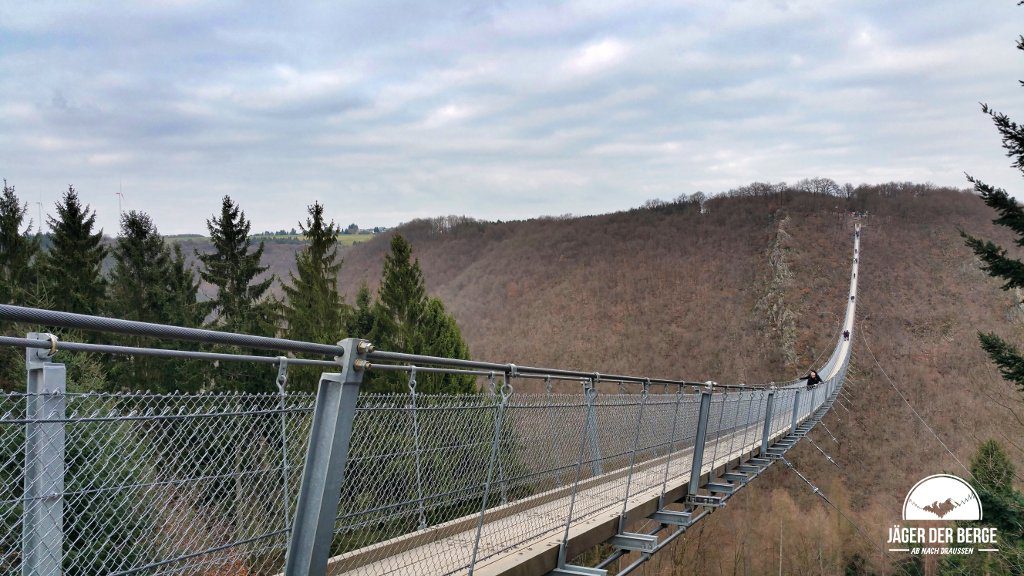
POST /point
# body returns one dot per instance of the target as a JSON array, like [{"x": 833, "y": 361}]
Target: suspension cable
[
  {"x": 912, "y": 409},
  {"x": 817, "y": 491}
]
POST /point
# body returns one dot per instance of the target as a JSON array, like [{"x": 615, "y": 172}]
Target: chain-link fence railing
[
  {"x": 152, "y": 484},
  {"x": 205, "y": 484}
]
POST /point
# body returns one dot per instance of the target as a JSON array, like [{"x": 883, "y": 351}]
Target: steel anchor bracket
[
  {"x": 736, "y": 477},
  {"x": 645, "y": 543},
  {"x": 708, "y": 501},
  {"x": 721, "y": 487},
  {"x": 572, "y": 570},
  {"x": 672, "y": 517}
]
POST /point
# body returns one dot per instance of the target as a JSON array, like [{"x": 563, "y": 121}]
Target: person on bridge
[
  {"x": 846, "y": 334},
  {"x": 812, "y": 379}
]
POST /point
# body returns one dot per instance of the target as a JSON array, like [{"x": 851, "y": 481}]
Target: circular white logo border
[{"x": 977, "y": 500}]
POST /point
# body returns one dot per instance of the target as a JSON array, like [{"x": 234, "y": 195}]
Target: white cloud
[
  {"x": 448, "y": 114},
  {"x": 597, "y": 57}
]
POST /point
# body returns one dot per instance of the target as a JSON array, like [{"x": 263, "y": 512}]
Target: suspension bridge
[{"x": 342, "y": 482}]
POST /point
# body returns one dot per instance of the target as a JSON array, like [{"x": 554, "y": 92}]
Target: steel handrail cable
[
  {"x": 28, "y": 315},
  {"x": 818, "y": 492}
]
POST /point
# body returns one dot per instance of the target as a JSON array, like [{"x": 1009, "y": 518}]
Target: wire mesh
[
  {"x": 159, "y": 484},
  {"x": 205, "y": 484}
]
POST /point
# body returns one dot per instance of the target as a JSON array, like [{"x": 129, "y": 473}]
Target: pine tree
[
  {"x": 242, "y": 303},
  {"x": 404, "y": 319},
  {"x": 992, "y": 475},
  {"x": 139, "y": 280},
  {"x": 183, "y": 308},
  {"x": 18, "y": 250},
  {"x": 994, "y": 258},
  {"x": 315, "y": 311},
  {"x": 402, "y": 299},
  {"x": 361, "y": 320},
  {"x": 992, "y": 469},
  {"x": 150, "y": 283},
  {"x": 72, "y": 269},
  {"x": 440, "y": 336}
]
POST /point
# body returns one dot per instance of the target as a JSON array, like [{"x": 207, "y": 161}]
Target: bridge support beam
[{"x": 309, "y": 544}]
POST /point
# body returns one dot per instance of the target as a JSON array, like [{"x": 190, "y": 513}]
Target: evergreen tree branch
[{"x": 1005, "y": 356}]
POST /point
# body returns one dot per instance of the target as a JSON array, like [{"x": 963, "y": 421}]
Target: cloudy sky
[{"x": 387, "y": 111}]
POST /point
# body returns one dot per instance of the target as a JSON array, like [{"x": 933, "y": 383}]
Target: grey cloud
[{"x": 389, "y": 111}]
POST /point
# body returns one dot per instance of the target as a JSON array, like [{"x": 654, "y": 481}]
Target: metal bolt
[
  {"x": 359, "y": 365},
  {"x": 364, "y": 347}
]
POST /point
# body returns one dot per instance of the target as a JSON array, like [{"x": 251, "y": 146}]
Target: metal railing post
[
  {"x": 630, "y": 541},
  {"x": 699, "y": 440},
  {"x": 43, "y": 536},
  {"x": 309, "y": 544},
  {"x": 282, "y": 383},
  {"x": 796, "y": 411},
  {"x": 768, "y": 409},
  {"x": 595, "y": 444},
  {"x": 502, "y": 476}
]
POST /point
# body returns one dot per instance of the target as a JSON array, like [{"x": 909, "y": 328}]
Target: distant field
[{"x": 343, "y": 239}]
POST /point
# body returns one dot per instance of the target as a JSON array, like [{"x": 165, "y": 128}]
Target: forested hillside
[
  {"x": 743, "y": 287},
  {"x": 671, "y": 291}
]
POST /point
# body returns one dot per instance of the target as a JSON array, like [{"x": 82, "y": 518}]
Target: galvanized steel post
[
  {"x": 551, "y": 424},
  {"x": 700, "y": 439},
  {"x": 309, "y": 544},
  {"x": 796, "y": 412},
  {"x": 590, "y": 396},
  {"x": 282, "y": 383},
  {"x": 766, "y": 433},
  {"x": 595, "y": 444},
  {"x": 43, "y": 530}
]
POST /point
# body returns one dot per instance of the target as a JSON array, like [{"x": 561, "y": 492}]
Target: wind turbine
[{"x": 39, "y": 225}]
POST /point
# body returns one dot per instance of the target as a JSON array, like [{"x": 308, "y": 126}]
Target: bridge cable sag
[
  {"x": 914, "y": 410},
  {"x": 818, "y": 492},
  {"x": 922, "y": 420}
]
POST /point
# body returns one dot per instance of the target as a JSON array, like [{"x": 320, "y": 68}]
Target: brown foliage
[{"x": 669, "y": 291}]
